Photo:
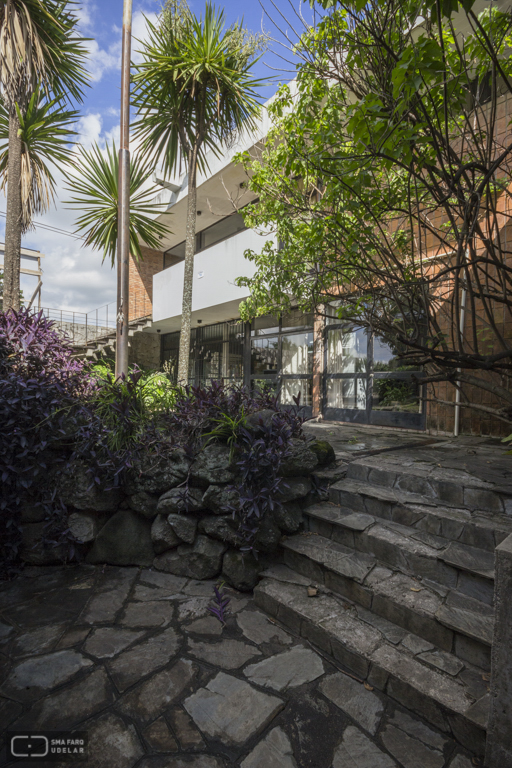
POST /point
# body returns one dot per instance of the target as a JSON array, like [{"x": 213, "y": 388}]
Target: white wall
[{"x": 219, "y": 265}]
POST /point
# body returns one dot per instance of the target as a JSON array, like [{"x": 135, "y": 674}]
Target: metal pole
[{"x": 123, "y": 237}]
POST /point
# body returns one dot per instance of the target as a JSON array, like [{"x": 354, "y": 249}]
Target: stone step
[
  {"x": 451, "y": 621},
  {"x": 448, "y": 486},
  {"x": 448, "y": 693},
  {"x": 454, "y": 565},
  {"x": 484, "y": 530}
]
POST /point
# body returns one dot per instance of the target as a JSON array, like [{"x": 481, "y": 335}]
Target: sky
[{"x": 74, "y": 277}]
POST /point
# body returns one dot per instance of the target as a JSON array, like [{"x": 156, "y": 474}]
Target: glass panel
[
  {"x": 297, "y": 319},
  {"x": 221, "y": 230},
  {"x": 347, "y": 351},
  {"x": 347, "y": 393},
  {"x": 290, "y": 388},
  {"x": 297, "y": 352},
  {"x": 265, "y": 385},
  {"x": 261, "y": 326},
  {"x": 176, "y": 250},
  {"x": 385, "y": 357},
  {"x": 396, "y": 395},
  {"x": 264, "y": 355}
]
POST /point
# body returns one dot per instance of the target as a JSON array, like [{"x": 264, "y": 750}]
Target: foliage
[
  {"x": 39, "y": 44},
  {"x": 95, "y": 197},
  {"x": 221, "y": 602},
  {"x": 39, "y": 383},
  {"x": 45, "y": 132},
  {"x": 386, "y": 180},
  {"x": 55, "y": 411}
]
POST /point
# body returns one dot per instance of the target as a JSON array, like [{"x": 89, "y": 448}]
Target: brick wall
[{"x": 141, "y": 282}]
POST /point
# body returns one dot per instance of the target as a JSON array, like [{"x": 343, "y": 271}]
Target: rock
[
  {"x": 241, "y": 570},
  {"x": 257, "y": 627},
  {"x": 288, "y": 517},
  {"x": 107, "y": 642},
  {"x": 231, "y": 710},
  {"x": 213, "y": 465},
  {"x": 286, "y": 670},
  {"x": 410, "y": 752},
  {"x": 71, "y": 705},
  {"x": 84, "y": 526},
  {"x": 154, "y": 613},
  {"x": 188, "y": 736},
  {"x": 158, "y": 474},
  {"x": 163, "y": 580},
  {"x": 221, "y": 528},
  {"x": 301, "y": 460},
  {"x": 363, "y": 706},
  {"x": 32, "y": 512},
  {"x": 268, "y": 536},
  {"x": 76, "y": 488},
  {"x": 260, "y": 419},
  {"x": 220, "y": 498},
  {"x": 33, "y": 549},
  {"x": 202, "y": 560},
  {"x": 293, "y": 488},
  {"x": 227, "y": 654},
  {"x": 180, "y": 501},
  {"x": 163, "y": 535},
  {"x": 274, "y": 751},
  {"x": 184, "y": 527},
  {"x": 109, "y": 598},
  {"x": 112, "y": 743},
  {"x": 36, "y": 676},
  {"x": 159, "y": 737},
  {"x": 144, "y": 503},
  {"x": 356, "y": 749},
  {"x": 148, "y": 700},
  {"x": 144, "y": 658},
  {"x": 125, "y": 539},
  {"x": 36, "y": 641},
  {"x": 323, "y": 450},
  {"x": 207, "y": 626}
]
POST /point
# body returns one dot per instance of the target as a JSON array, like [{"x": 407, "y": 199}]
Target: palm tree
[
  {"x": 194, "y": 91},
  {"x": 45, "y": 132},
  {"x": 38, "y": 44},
  {"x": 95, "y": 190}
]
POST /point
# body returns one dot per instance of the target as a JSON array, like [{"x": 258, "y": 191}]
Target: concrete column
[{"x": 498, "y": 752}]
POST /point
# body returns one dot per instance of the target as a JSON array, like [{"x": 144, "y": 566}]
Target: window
[
  {"x": 284, "y": 354},
  {"x": 221, "y": 230}
]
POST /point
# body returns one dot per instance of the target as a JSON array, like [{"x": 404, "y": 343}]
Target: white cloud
[
  {"x": 89, "y": 129},
  {"x": 101, "y": 61},
  {"x": 140, "y": 32}
]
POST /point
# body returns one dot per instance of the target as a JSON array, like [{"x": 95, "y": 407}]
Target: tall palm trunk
[
  {"x": 188, "y": 279},
  {"x": 13, "y": 224}
]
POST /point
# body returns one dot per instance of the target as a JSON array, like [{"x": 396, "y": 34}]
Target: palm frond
[
  {"x": 95, "y": 194},
  {"x": 39, "y": 44},
  {"x": 195, "y": 77},
  {"x": 46, "y": 130}
]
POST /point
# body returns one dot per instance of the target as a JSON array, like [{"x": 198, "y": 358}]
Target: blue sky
[{"x": 74, "y": 277}]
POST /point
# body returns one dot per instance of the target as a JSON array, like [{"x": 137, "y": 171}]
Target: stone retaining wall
[{"x": 177, "y": 515}]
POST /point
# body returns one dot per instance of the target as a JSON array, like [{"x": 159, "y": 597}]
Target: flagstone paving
[{"x": 134, "y": 658}]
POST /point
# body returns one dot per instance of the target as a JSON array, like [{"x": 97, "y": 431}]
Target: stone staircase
[{"x": 403, "y": 558}]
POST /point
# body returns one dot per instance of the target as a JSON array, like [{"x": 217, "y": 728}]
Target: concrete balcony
[{"x": 215, "y": 296}]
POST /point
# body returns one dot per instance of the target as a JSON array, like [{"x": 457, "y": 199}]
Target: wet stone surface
[{"x": 135, "y": 658}]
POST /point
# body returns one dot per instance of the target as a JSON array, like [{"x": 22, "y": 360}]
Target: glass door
[{"x": 365, "y": 381}]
